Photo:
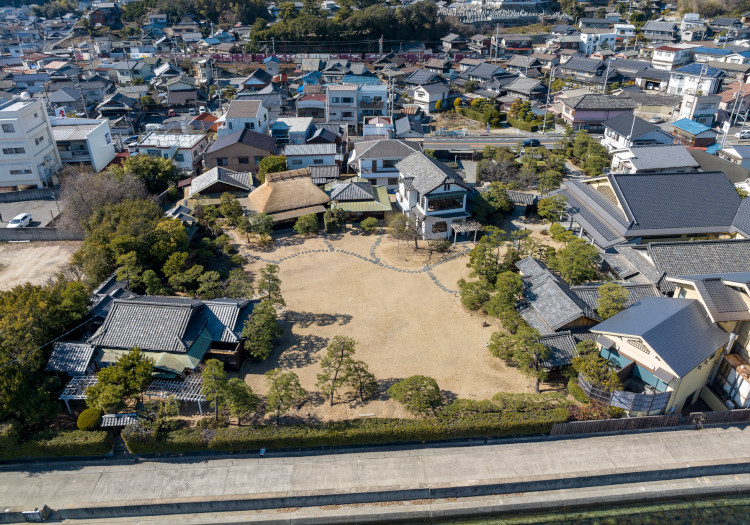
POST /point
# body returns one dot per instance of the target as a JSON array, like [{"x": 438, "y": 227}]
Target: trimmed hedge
[
  {"x": 473, "y": 114},
  {"x": 576, "y": 391},
  {"x": 523, "y": 126},
  {"x": 8, "y": 434},
  {"x": 49, "y": 444},
  {"x": 356, "y": 432},
  {"x": 89, "y": 419}
]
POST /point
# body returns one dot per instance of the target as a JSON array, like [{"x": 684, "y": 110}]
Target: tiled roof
[
  {"x": 421, "y": 76},
  {"x": 486, "y": 71},
  {"x": 292, "y": 150},
  {"x": 323, "y": 174},
  {"x": 352, "y": 191},
  {"x": 589, "y": 293},
  {"x": 598, "y": 102},
  {"x": 723, "y": 302},
  {"x": 662, "y": 157},
  {"x": 385, "y": 149},
  {"x": 624, "y": 126},
  {"x": 247, "y": 137},
  {"x": 588, "y": 65},
  {"x": 678, "y": 330},
  {"x": 225, "y": 318},
  {"x": 70, "y": 358},
  {"x": 242, "y": 180},
  {"x": 562, "y": 349},
  {"x": 701, "y": 257},
  {"x": 427, "y": 172},
  {"x": 741, "y": 221}
]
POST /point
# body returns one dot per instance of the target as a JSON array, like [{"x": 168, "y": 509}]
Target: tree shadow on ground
[
  {"x": 448, "y": 396},
  {"x": 383, "y": 386},
  {"x": 288, "y": 240},
  {"x": 307, "y": 319},
  {"x": 302, "y": 351}
]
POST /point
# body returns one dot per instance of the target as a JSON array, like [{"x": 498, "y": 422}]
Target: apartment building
[
  {"x": 186, "y": 151},
  {"x": 348, "y": 104},
  {"x": 83, "y": 141},
  {"x": 29, "y": 157}
]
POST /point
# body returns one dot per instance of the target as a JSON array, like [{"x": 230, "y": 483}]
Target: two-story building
[
  {"x": 240, "y": 151},
  {"x": 595, "y": 39},
  {"x": 433, "y": 194},
  {"x": 654, "y": 159},
  {"x": 243, "y": 114},
  {"x": 303, "y": 155},
  {"x": 590, "y": 112},
  {"x": 427, "y": 96},
  {"x": 657, "y": 31},
  {"x": 628, "y": 131},
  {"x": 669, "y": 57},
  {"x": 185, "y": 150},
  {"x": 695, "y": 79},
  {"x": 376, "y": 160},
  {"x": 83, "y": 141},
  {"x": 292, "y": 130}
]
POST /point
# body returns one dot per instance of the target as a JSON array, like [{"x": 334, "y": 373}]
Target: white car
[
  {"x": 20, "y": 221},
  {"x": 202, "y": 109},
  {"x": 743, "y": 134}
]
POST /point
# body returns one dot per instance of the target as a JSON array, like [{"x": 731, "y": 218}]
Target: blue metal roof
[
  {"x": 714, "y": 148},
  {"x": 695, "y": 69},
  {"x": 713, "y": 51},
  {"x": 360, "y": 79},
  {"x": 690, "y": 126}
]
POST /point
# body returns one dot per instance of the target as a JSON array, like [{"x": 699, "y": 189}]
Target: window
[
  {"x": 317, "y": 161},
  {"x": 392, "y": 181},
  {"x": 14, "y": 151},
  {"x": 39, "y": 140},
  {"x": 335, "y": 100},
  {"x": 257, "y": 159},
  {"x": 439, "y": 203},
  {"x": 389, "y": 163},
  {"x": 20, "y": 172},
  {"x": 179, "y": 157},
  {"x": 221, "y": 161},
  {"x": 8, "y": 128},
  {"x": 296, "y": 162},
  {"x": 243, "y": 160},
  {"x": 249, "y": 125},
  {"x": 36, "y": 115},
  {"x": 682, "y": 294},
  {"x": 347, "y": 114},
  {"x": 347, "y": 100},
  {"x": 446, "y": 187},
  {"x": 440, "y": 227}
]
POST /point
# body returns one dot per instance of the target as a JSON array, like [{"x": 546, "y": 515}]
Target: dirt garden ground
[
  {"x": 406, "y": 318},
  {"x": 32, "y": 262}
]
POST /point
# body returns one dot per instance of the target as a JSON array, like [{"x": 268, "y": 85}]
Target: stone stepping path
[{"x": 373, "y": 259}]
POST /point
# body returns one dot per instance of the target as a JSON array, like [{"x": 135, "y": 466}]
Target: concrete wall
[
  {"x": 27, "y": 195},
  {"x": 38, "y": 234}
]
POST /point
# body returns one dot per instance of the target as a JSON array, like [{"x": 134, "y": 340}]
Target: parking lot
[{"x": 41, "y": 211}]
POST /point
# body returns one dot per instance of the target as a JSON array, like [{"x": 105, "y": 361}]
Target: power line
[{"x": 22, "y": 356}]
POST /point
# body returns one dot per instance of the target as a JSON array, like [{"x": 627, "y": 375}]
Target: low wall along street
[{"x": 38, "y": 234}]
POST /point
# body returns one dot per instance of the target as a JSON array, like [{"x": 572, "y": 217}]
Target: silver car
[{"x": 20, "y": 221}]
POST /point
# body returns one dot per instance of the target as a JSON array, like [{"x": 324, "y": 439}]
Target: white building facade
[{"x": 83, "y": 141}]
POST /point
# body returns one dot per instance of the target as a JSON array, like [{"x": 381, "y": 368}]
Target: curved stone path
[{"x": 373, "y": 259}]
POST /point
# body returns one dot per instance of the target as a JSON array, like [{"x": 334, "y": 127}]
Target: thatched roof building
[{"x": 289, "y": 194}]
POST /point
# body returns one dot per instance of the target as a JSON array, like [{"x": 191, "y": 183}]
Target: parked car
[
  {"x": 656, "y": 120},
  {"x": 202, "y": 109},
  {"x": 20, "y": 221},
  {"x": 191, "y": 112},
  {"x": 171, "y": 113},
  {"x": 743, "y": 134},
  {"x": 531, "y": 143}
]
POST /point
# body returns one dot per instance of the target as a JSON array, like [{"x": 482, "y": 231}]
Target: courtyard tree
[
  {"x": 335, "y": 365},
  {"x": 284, "y": 392},
  {"x": 576, "y": 262},
  {"x": 261, "y": 330},
  {"x": 231, "y": 209},
  {"x": 597, "y": 370},
  {"x": 269, "y": 285},
  {"x": 261, "y": 224},
  {"x": 361, "y": 380},
  {"x": 120, "y": 382},
  {"x": 404, "y": 228},
  {"x": 552, "y": 208},
  {"x": 152, "y": 283},
  {"x": 369, "y": 225},
  {"x": 214, "y": 385},
  {"x": 474, "y": 293},
  {"x": 612, "y": 299},
  {"x": 240, "y": 399},
  {"x": 522, "y": 349},
  {"x": 157, "y": 173},
  {"x": 238, "y": 285},
  {"x": 271, "y": 164},
  {"x": 210, "y": 285},
  {"x": 334, "y": 219},
  {"x": 175, "y": 264},
  {"x": 508, "y": 287},
  {"x": 586, "y": 347},
  {"x": 439, "y": 105},
  {"x": 169, "y": 236},
  {"x": 457, "y": 103},
  {"x": 307, "y": 225},
  {"x": 129, "y": 270},
  {"x": 484, "y": 258},
  {"x": 418, "y": 394}
]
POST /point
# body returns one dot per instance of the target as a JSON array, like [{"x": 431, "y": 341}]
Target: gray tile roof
[
  {"x": 421, "y": 76},
  {"x": 562, "y": 349},
  {"x": 623, "y": 124},
  {"x": 225, "y": 318},
  {"x": 352, "y": 191},
  {"x": 589, "y": 293},
  {"x": 70, "y": 358},
  {"x": 549, "y": 304},
  {"x": 385, "y": 149},
  {"x": 164, "y": 324},
  {"x": 678, "y": 330},
  {"x": 724, "y": 303},
  {"x": 741, "y": 221},
  {"x": 246, "y": 137},
  {"x": 486, "y": 71},
  {"x": 427, "y": 172},
  {"x": 325, "y": 173},
  {"x": 589, "y": 65},
  {"x": 242, "y": 180},
  {"x": 598, "y": 102},
  {"x": 662, "y": 156}
]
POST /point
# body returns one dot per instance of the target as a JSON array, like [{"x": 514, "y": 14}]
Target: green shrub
[
  {"x": 576, "y": 391},
  {"x": 237, "y": 259},
  {"x": 346, "y": 433},
  {"x": 89, "y": 419},
  {"x": 418, "y": 394},
  {"x": 369, "y": 225},
  {"x": 307, "y": 225},
  {"x": 8, "y": 434},
  {"x": 524, "y": 126},
  {"x": 49, "y": 444}
]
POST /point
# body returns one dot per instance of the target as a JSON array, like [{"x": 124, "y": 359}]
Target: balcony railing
[{"x": 630, "y": 401}]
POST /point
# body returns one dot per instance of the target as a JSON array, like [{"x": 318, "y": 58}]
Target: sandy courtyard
[
  {"x": 33, "y": 262},
  {"x": 404, "y": 324}
]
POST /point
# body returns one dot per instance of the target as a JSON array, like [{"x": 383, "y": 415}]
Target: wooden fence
[
  {"x": 615, "y": 425},
  {"x": 38, "y": 234},
  {"x": 714, "y": 418}
]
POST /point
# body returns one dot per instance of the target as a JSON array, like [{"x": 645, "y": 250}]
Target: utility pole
[
  {"x": 606, "y": 77},
  {"x": 380, "y": 45},
  {"x": 549, "y": 89},
  {"x": 273, "y": 45}
]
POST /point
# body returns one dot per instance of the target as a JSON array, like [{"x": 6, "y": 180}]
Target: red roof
[{"x": 668, "y": 48}]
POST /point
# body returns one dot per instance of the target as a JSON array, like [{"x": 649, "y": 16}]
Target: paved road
[
  {"x": 464, "y": 143},
  {"x": 91, "y": 484}
]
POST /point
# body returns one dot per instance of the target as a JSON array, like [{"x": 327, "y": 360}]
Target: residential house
[
  {"x": 374, "y": 128},
  {"x": 292, "y": 130},
  {"x": 359, "y": 198},
  {"x": 181, "y": 91},
  {"x": 427, "y": 96},
  {"x": 665, "y": 350},
  {"x": 700, "y": 108},
  {"x": 160, "y": 19},
  {"x": 304, "y": 155},
  {"x": 274, "y": 98},
  {"x": 590, "y": 112},
  {"x": 69, "y": 100},
  {"x": 431, "y": 193},
  {"x": 654, "y": 159},
  {"x": 83, "y": 141},
  {"x": 739, "y": 155},
  {"x": 376, "y": 160},
  {"x": 628, "y": 131},
  {"x": 186, "y": 151},
  {"x": 312, "y": 105},
  {"x": 671, "y": 57},
  {"x": 485, "y": 72},
  {"x": 657, "y": 31},
  {"x": 452, "y": 42},
  {"x": 240, "y": 151},
  {"x": 641, "y": 207},
  {"x": 480, "y": 44},
  {"x": 348, "y": 104},
  {"x": 243, "y": 114},
  {"x": 29, "y": 155},
  {"x": 126, "y": 72},
  {"x": 692, "y": 133},
  {"x": 598, "y": 23},
  {"x": 594, "y": 39},
  {"x": 515, "y": 44},
  {"x": 708, "y": 54},
  {"x": 653, "y": 80},
  {"x": 438, "y": 65},
  {"x": 219, "y": 180},
  {"x": 407, "y": 128},
  {"x": 256, "y": 80},
  {"x": 527, "y": 89},
  {"x": 288, "y": 195},
  {"x": 584, "y": 71},
  {"x": 695, "y": 79},
  {"x": 106, "y": 14}
]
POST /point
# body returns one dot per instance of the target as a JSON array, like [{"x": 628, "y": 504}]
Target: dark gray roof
[
  {"x": 653, "y": 25},
  {"x": 626, "y": 65},
  {"x": 629, "y": 260},
  {"x": 562, "y": 349},
  {"x": 594, "y": 102},
  {"x": 352, "y": 191},
  {"x": 549, "y": 304},
  {"x": 70, "y": 358},
  {"x": 427, "y": 173},
  {"x": 520, "y": 198},
  {"x": 655, "y": 74},
  {"x": 241, "y": 180},
  {"x": 324, "y": 174},
  {"x": 701, "y": 257},
  {"x": 622, "y": 125},
  {"x": 723, "y": 302},
  {"x": 741, "y": 221},
  {"x": 588, "y": 65},
  {"x": 385, "y": 149},
  {"x": 421, "y": 76},
  {"x": 486, "y": 71},
  {"x": 246, "y": 137},
  {"x": 678, "y": 330},
  {"x": 225, "y": 318},
  {"x": 589, "y": 293},
  {"x": 734, "y": 172},
  {"x": 165, "y": 324},
  {"x": 662, "y": 157},
  {"x": 406, "y": 125}
]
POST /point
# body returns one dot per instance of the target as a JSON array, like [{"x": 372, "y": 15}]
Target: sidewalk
[{"x": 175, "y": 486}]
